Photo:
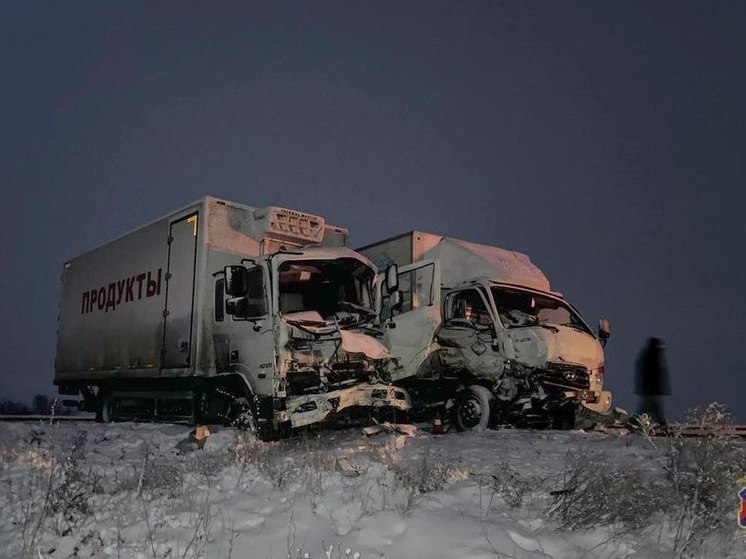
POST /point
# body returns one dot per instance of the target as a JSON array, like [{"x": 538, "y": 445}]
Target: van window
[
  {"x": 329, "y": 287},
  {"x": 255, "y": 302},
  {"x": 469, "y": 306},
  {"x": 517, "y": 308},
  {"x": 417, "y": 290}
]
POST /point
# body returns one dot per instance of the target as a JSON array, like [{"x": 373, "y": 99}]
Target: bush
[
  {"x": 702, "y": 475},
  {"x": 694, "y": 489},
  {"x": 597, "y": 491},
  {"x": 507, "y": 484}
]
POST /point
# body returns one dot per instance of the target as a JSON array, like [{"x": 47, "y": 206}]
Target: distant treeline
[{"x": 41, "y": 405}]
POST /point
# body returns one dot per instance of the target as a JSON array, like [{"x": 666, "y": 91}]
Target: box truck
[
  {"x": 479, "y": 327},
  {"x": 221, "y": 310}
]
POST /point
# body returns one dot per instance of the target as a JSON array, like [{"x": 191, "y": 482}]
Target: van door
[
  {"x": 468, "y": 334},
  {"x": 409, "y": 332},
  {"x": 177, "y": 316}
]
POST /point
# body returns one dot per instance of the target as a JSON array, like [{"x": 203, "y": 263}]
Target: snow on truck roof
[
  {"x": 460, "y": 260},
  {"x": 302, "y": 227},
  {"x": 498, "y": 264}
]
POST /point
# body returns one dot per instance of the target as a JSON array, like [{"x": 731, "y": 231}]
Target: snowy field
[{"x": 138, "y": 490}]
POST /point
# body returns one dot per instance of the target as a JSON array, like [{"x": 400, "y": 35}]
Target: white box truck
[
  {"x": 479, "y": 326},
  {"x": 221, "y": 310}
]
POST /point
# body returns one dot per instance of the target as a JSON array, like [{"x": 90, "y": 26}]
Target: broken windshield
[
  {"x": 335, "y": 289},
  {"x": 517, "y": 308}
]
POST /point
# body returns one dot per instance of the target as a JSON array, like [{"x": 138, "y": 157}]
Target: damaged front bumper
[
  {"x": 577, "y": 385},
  {"x": 316, "y": 408},
  {"x": 599, "y": 403}
]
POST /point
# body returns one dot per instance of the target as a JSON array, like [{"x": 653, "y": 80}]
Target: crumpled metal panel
[
  {"x": 353, "y": 342},
  {"x": 462, "y": 349},
  {"x": 537, "y": 346},
  {"x": 321, "y": 406}
]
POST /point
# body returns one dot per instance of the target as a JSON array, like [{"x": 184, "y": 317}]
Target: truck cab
[{"x": 298, "y": 325}]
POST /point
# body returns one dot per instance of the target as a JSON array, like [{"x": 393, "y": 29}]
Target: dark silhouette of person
[{"x": 651, "y": 379}]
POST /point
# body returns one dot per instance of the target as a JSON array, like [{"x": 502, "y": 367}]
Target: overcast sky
[{"x": 605, "y": 139}]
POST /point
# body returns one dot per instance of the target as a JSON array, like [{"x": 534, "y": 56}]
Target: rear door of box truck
[
  {"x": 127, "y": 307},
  {"x": 178, "y": 331}
]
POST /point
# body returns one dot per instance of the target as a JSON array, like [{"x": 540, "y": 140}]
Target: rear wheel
[{"x": 473, "y": 410}]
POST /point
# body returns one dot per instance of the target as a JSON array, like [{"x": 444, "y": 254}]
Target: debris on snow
[{"x": 386, "y": 427}]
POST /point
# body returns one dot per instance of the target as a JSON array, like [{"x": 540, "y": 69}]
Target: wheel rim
[
  {"x": 470, "y": 413},
  {"x": 242, "y": 417}
]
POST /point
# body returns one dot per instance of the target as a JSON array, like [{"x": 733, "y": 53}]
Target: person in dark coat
[{"x": 651, "y": 379}]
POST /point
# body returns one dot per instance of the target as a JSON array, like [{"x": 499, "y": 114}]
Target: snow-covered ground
[{"x": 132, "y": 490}]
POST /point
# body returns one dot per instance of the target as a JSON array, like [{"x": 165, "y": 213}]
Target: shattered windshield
[
  {"x": 517, "y": 308},
  {"x": 335, "y": 289}
]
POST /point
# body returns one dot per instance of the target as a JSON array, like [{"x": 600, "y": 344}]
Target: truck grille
[{"x": 567, "y": 376}]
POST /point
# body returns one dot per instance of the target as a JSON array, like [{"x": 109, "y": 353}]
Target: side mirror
[
  {"x": 236, "y": 281},
  {"x": 392, "y": 279},
  {"x": 604, "y": 329},
  {"x": 237, "y": 306}
]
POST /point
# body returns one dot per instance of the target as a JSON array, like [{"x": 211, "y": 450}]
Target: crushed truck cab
[
  {"x": 221, "y": 311},
  {"x": 479, "y": 325}
]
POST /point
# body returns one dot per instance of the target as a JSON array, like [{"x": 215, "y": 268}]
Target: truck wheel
[
  {"x": 241, "y": 415},
  {"x": 473, "y": 410}
]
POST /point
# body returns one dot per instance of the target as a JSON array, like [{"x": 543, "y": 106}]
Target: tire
[
  {"x": 474, "y": 409},
  {"x": 241, "y": 415}
]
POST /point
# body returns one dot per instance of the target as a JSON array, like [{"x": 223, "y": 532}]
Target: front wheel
[
  {"x": 242, "y": 415},
  {"x": 473, "y": 410}
]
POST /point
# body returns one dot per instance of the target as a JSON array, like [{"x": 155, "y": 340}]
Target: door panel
[
  {"x": 410, "y": 340},
  {"x": 468, "y": 334},
  {"x": 182, "y": 253}
]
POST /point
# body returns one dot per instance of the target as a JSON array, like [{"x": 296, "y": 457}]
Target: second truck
[{"x": 479, "y": 327}]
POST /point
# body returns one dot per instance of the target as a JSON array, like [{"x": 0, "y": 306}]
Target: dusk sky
[{"x": 607, "y": 140}]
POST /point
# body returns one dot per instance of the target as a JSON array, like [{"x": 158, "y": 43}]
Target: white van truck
[{"x": 479, "y": 326}]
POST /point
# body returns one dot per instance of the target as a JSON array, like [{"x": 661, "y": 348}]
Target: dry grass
[{"x": 693, "y": 490}]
